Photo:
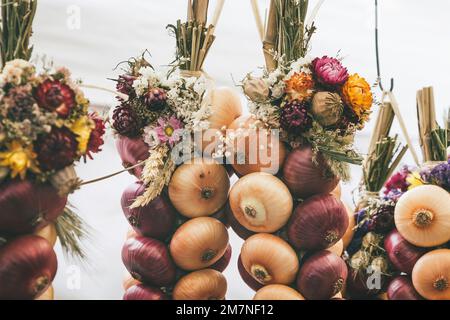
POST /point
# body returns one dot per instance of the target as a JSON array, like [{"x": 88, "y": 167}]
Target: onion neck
[
  {"x": 254, "y": 212},
  {"x": 40, "y": 284},
  {"x": 207, "y": 193},
  {"x": 423, "y": 218},
  {"x": 441, "y": 284},
  {"x": 337, "y": 286},
  {"x": 208, "y": 255},
  {"x": 134, "y": 222},
  {"x": 331, "y": 236},
  {"x": 260, "y": 273}
]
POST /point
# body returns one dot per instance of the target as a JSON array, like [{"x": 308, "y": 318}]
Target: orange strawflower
[
  {"x": 300, "y": 86},
  {"x": 358, "y": 95}
]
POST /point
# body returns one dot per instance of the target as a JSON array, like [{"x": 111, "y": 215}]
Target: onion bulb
[
  {"x": 247, "y": 277},
  {"x": 248, "y": 155},
  {"x": 277, "y": 292},
  {"x": 318, "y": 223},
  {"x": 48, "y": 233},
  {"x": 337, "y": 248},
  {"x": 305, "y": 177},
  {"x": 224, "y": 261},
  {"x": 431, "y": 275},
  {"x": 27, "y": 268},
  {"x": 132, "y": 151},
  {"x": 269, "y": 259},
  {"x": 48, "y": 295},
  {"x": 401, "y": 253},
  {"x": 337, "y": 192},
  {"x": 128, "y": 281},
  {"x": 199, "y": 243},
  {"x": 401, "y": 288},
  {"x": 422, "y": 216},
  {"x": 148, "y": 260},
  {"x": 200, "y": 188},
  {"x": 131, "y": 233},
  {"x": 206, "y": 284},
  {"x": 348, "y": 235},
  {"x": 240, "y": 230},
  {"x": 27, "y": 206},
  {"x": 154, "y": 220},
  {"x": 322, "y": 276},
  {"x": 143, "y": 292},
  {"x": 261, "y": 202}
]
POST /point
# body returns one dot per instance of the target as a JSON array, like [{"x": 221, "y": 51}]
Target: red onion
[
  {"x": 304, "y": 177},
  {"x": 223, "y": 262},
  {"x": 322, "y": 276},
  {"x": 239, "y": 229},
  {"x": 155, "y": 220},
  {"x": 318, "y": 223},
  {"x": 401, "y": 288},
  {"x": 142, "y": 292},
  {"x": 148, "y": 260},
  {"x": 27, "y": 268},
  {"x": 401, "y": 253},
  {"x": 221, "y": 215},
  {"x": 132, "y": 151},
  {"x": 248, "y": 279},
  {"x": 26, "y": 206}
]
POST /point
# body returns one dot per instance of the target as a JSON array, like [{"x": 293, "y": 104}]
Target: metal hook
[{"x": 377, "y": 52}]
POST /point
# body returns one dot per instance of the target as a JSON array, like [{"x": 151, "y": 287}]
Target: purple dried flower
[{"x": 295, "y": 118}]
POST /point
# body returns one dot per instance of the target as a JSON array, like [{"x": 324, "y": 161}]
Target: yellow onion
[
  {"x": 261, "y": 202},
  {"x": 47, "y": 295},
  {"x": 348, "y": 235},
  {"x": 277, "y": 292},
  {"x": 207, "y": 284},
  {"x": 422, "y": 216},
  {"x": 269, "y": 259},
  {"x": 48, "y": 233},
  {"x": 244, "y": 127},
  {"x": 431, "y": 275},
  {"x": 200, "y": 188},
  {"x": 199, "y": 243}
]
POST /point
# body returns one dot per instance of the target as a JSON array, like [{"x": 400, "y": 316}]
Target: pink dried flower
[
  {"x": 329, "y": 71},
  {"x": 169, "y": 130}
]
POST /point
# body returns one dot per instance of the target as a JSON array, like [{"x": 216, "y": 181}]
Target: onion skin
[
  {"x": 277, "y": 149},
  {"x": 247, "y": 277},
  {"x": 350, "y": 232},
  {"x": 318, "y": 223},
  {"x": 27, "y": 207},
  {"x": 337, "y": 192},
  {"x": 241, "y": 231},
  {"x": 199, "y": 243},
  {"x": 401, "y": 253},
  {"x": 155, "y": 220},
  {"x": 337, "y": 248},
  {"x": 200, "y": 188},
  {"x": 206, "y": 284},
  {"x": 322, "y": 276},
  {"x": 431, "y": 275},
  {"x": 261, "y": 202},
  {"x": 148, "y": 260},
  {"x": 27, "y": 268},
  {"x": 422, "y": 216},
  {"x": 303, "y": 177},
  {"x": 401, "y": 288},
  {"x": 131, "y": 152},
  {"x": 277, "y": 292},
  {"x": 48, "y": 295},
  {"x": 224, "y": 261},
  {"x": 142, "y": 292},
  {"x": 48, "y": 233},
  {"x": 128, "y": 281},
  {"x": 269, "y": 259}
]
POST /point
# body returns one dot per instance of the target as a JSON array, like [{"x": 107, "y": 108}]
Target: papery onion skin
[
  {"x": 224, "y": 261},
  {"x": 128, "y": 281},
  {"x": 206, "y": 284},
  {"x": 143, "y": 292},
  {"x": 132, "y": 151},
  {"x": 305, "y": 178},
  {"x": 28, "y": 266},
  {"x": 247, "y": 277},
  {"x": 337, "y": 192},
  {"x": 48, "y": 295},
  {"x": 200, "y": 188},
  {"x": 261, "y": 202},
  {"x": 148, "y": 260},
  {"x": 337, "y": 248},
  {"x": 322, "y": 276},
  {"x": 277, "y": 292},
  {"x": 349, "y": 233},
  {"x": 318, "y": 223},
  {"x": 154, "y": 220},
  {"x": 27, "y": 206},
  {"x": 431, "y": 275},
  {"x": 48, "y": 233},
  {"x": 401, "y": 253},
  {"x": 274, "y": 151},
  {"x": 422, "y": 216},
  {"x": 240, "y": 230},
  {"x": 269, "y": 259},
  {"x": 199, "y": 243},
  {"x": 401, "y": 288}
]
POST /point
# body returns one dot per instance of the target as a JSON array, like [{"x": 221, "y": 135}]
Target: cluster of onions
[
  {"x": 28, "y": 262},
  {"x": 178, "y": 247}
]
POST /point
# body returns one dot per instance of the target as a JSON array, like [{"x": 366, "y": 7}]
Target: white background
[{"x": 415, "y": 50}]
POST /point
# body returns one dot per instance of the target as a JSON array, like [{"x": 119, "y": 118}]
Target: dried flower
[
  {"x": 96, "y": 138},
  {"x": 300, "y": 86},
  {"x": 357, "y": 94},
  {"x": 414, "y": 180},
  {"x": 125, "y": 121},
  {"x": 55, "y": 96},
  {"x": 256, "y": 90},
  {"x": 294, "y": 117},
  {"x": 438, "y": 175},
  {"x": 82, "y": 128},
  {"x": 398, "y": 181},
  {"x": 19, "y": 159},
  {"x": 327, "y": 108},
  {"x": 169, "y": 130},
  {"x": 156, "y": 99},
  {"x": 19, "y": 103},
  {"x": 329, "y": 71},
  {"x": 125, "y": 84}
]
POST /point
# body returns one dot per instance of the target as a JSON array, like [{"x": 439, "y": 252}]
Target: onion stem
[
  {"x": 423, "y": 218},
  {"x": 207, "y": 193},
  {"x": 440, "y": 284},
  {"x": 260, "y": 273},
  {"x": 40, "y": 284},
  {"x": 208, "y": 255}
]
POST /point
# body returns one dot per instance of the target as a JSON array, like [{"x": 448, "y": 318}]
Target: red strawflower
[
  {"x": 295, "y": 118},
  {"x": 55, "y": 96},
  {"x": 96, "y": 138}
]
